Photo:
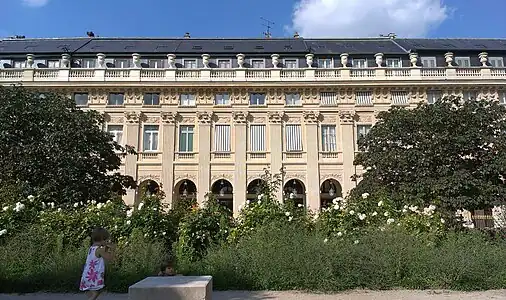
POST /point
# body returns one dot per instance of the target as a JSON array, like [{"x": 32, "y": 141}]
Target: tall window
[
  {"x": 257, "y": 99},
  {"x": 292, "y": 99},
  {"x": 187, "y": 100},
  {"x": 224, "y": 64},
  {"x": 400, "y": 97},
  {"x": 363, "y": 98},
  {"x": 257, "y": 138},
  {"x": 222, "y": 99},
  {"x": 257, "y": 63},
  {"x": 116, "y": 99},
  {"x": 394, "y": 63},
  {"x": 433, "y": 96},
  {"x": 428, "y": 62},
  {"x": 117, "y": 132},
  {"x": 325, "y": 63},
  {"x": 502, "y": 98},
  {"x": 328, "y": 98},
  {"x": 150, "y": 138},
  {"x": 291, "y": 63},
  {"x": 470, "y": 95},
  {"x": 81, "y": 99},
  {"x": 464, "y": 62},
  {"x": 222, "y": 138},
  {"x": 363, "y": 130},
  {"x": 151, "y": 99},
  {"x": 186, "y": 138},
  {"x": 329, "y": 143},
  {"x": 190, "y": 63},
  {"x": 19, "y": 64},
  {"x": 496, "y": 62},
  {"x": 359, "y": 63},
  {"x": 293, "y": 138}
]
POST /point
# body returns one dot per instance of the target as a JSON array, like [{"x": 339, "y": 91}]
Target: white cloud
[
  {"x": 367, "y": 18},
  {"x": 35, "y": 3}
]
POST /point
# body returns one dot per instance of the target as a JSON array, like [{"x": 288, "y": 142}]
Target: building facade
[{"x": 209, "y": 115}]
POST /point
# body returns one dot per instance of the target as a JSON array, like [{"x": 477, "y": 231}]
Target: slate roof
[{"x": 247, "y": 46}]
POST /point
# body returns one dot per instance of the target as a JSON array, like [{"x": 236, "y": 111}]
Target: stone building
[{"x": 211, "y": 114}]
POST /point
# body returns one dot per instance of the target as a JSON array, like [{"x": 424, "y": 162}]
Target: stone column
[
  {"x": 132, "y": 138},
  {"x": 168, "y": 143},
  {"x": 276, "y": 146},
  {"x": 347, "y": 119},
  {"x": 313, "y": 174},
  {"x": 240, "y": 173},
  {"x": 204, "y": 148}
]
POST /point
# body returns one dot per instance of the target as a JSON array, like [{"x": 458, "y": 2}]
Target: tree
[
  {"x": 57, "y": 151},
  {"x": 453, "y": 151}
]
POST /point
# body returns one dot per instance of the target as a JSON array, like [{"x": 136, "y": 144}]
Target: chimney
[
  {"x": 187, "y": 35},
  {"x": 296, "y": 35}
]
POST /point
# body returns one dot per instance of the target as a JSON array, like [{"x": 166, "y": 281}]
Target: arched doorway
[
  {"x": 254, "y": 189},
  {"x": 329, "y": 190},
  {"x": 224, "y": 192},
  {"x": 146, "y": 188},
  {"x": 185, "y": 192},
  {"x": 295, "y": 191}
]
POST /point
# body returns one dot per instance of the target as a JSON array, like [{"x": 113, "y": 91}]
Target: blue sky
[{"x": 241, "y": 18}]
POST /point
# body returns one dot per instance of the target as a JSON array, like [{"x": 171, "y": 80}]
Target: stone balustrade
[{"x": 248, "y": 75}]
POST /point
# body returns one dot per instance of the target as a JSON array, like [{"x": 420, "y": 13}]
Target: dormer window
[
  {"x": 359, "y": 63},
  {"x": 325, "y": 63},
  {"x": 53, "y": 64},
  {"x": 257, "y": 63},
  {"x": 464, "y": 62},
  {"x": 122, "y": 63},
  {"x": 224, "y": 63},
  {"x": 496, "y": 62},
  {"x": 190, "y": 63},
  {"x": 394, "y": 63}
]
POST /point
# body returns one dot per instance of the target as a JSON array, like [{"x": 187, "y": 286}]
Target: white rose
[
  {"x": 351, "y": 212},
  {"x": 290, "y": 219},
  {"x": 390, "y": 221},
  {"x": 287, "y": 213},
  {"x": 365, "y": 195},
  {"x": 300, "y": 205},
  {"x": 375, "y": 213},
  {"x": 361, "y": 216},
  {"x": 356, "y": 242},
  {"x": 380, "y": 203},
  {"x": 76, "y": 204},
  {"x": 128, "y": 222},
  {"x": 259, "y": 197},
  {"x": 339, "y": 233},
  {"x": 6, "y": 208},
  {"x": 140, "y": 206},
  {"x": 31, "y": 198},
  {"x": 3, "y": 231},
  {"x": 386, "y": 214},
  {"x": 259, "y": 202},
  {"x": 443, "y": 221},
  {"x": 336, "y": 206},
  {"x": 129, "y": 213}
]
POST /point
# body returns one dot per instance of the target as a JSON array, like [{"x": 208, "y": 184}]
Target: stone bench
[{"x": 173, "y": 288}]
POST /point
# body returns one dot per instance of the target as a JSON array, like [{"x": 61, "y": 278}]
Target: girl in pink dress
[{"x": 92, "y": 280}]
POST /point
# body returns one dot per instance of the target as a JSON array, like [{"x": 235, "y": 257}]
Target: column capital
[
  {"x": 240, "y": 117},
  {"x": 276, "y": 117},
  {"x": 204, "y": 117},
  {"x": 347, "y": 117},
  {"x": 311, "y": 117},
  {"x": 133, "y": 117},
  {"x": 169, "y": 117}
]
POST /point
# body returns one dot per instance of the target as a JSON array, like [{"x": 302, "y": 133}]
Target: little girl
[{"x": 92, "y": 280}]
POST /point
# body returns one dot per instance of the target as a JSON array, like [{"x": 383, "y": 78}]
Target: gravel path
[{"x": 352, "y": 295}]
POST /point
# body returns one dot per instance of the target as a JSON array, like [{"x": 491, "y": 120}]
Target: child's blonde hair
[{"x": 99, "y": 234}]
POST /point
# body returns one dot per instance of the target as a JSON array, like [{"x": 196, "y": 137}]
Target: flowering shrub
[{"x": 351, "y": 218}]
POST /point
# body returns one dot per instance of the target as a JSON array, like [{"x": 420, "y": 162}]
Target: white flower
[
  {"x": 19, "y": 207},
  {"x": 259, "y": 197},
  {"x": 108, "y": 201},
  {"x": 398, "y": 224},
  {"x": 145, "y": 235},
  {"x": 5, "y": 208},
  {"x": 31, "y": 198},
  {"x": 404, "y": 210},
  {"x": 76, "y": 204},
  {"x": 59, "y": 209},
  {"x": 374, "y": 213},
  {"x": 386, "y": 214},
  {"x": 380, "y": 203},
  {"x": 259, "y": 202},
  {"x": 128, "y": 222},
  {"x": 93, "y": 202},
  {"x": 336, "y": 206},
  {"x": 248, "y": 202},
  {"x": 51, "y": 204},
  {"x": 325, "y": 240},
  {"x": 129, "y": 213},
  {"x": 413, "y": 208},
  {"x": 356, "y": 242},
  {"x": 390, "y": 221},
  {"x": 443, "y": 221},
  {"x": 351, "y": 212},
  {"x": 405, "y": 207},
  {"x": 140, "y": 206},
  {"x": 365, "y": 195},
  {"x": 164, "y": 233},
  {"x": 290, "y": 219},
  {"x": 287, "y": 213},
  {"x": 339, "y": 233},
  {"x": 300, "y": 205},
  {"x": 361, "y": 216},
  {"x": 115, "y": 226},
  {"x": 100, "y": 205},
  {"x": 3, "y": 231},
  {"x": 43, "y": 205},
  {"x": 155, "y": 209}
]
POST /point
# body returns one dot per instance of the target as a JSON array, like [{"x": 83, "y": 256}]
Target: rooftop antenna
[
  {"x": 391, "y": 35},
  {"x": 268, "y": 24}
]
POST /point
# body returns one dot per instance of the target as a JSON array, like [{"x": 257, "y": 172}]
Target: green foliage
[
  {"x": 56, "y": 151},
  {"x": 452, "y": 150},
  {"x": 278, "y": 257}
]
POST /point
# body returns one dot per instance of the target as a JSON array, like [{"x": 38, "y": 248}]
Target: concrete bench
[{"x": 173, "y": 288}]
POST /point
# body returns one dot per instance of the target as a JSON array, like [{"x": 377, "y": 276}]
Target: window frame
[
  {"x": 298, "y": 101},
  {"x": 496, "y": 59},
  {"x": 395, "y": 59},
  {"x": 151, "y": 98},
  {"x": 365, "y": 60},
  {"x": 323, "y": 145},
  {"x": 362, "y": 125},
  {"x": 215, "y": 139},
  {"x": 122, "y": 63},
  {"x": 251, "y": 60},
  {"x": 434, "y": 92},
  {"x": 114, "y": 133},
  {"x": 292, "y": 60},
  {"x": 54, "y": 62},
  {"x": 229, "y": 61},
  {"x": 469, "y": 94},
  {"x": 193, "y": 98},
  {"x": 300, "y": 139},
  {"x": 502, "y": 97},
  {"x": 428, "y": 58},
  {"x": 257, "y": 104},
  {"x": 159, "y": 63},
  {"x": 462, "y": 58},
  {"x": 190, "y": 60},
  {"x": 152, "y": 141},
  {"x": 250, "y": 139},
  {"x": 330, "y": 60},
  {"x": 109, "y": 102},
  {"x": 75, "y": 100},
  {"x": 187, "y": 133},
  {"x": 224, "y": 103}
]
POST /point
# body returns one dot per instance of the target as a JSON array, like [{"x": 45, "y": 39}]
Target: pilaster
[
  {"x": 132, "y": 129},
  {"x": 240, "y": 176},
  {"x": 276, "y": 145},
  {"x": 204, "y": 138},
  {"x": 347, "y": 120},
  {"x": 168, "y": 145},
  {"x": 311, "y": 119}
]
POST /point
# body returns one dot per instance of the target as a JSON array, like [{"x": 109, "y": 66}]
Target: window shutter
[
  {"x": 257, "y": 138},
  {"x": 222, "y": 138},
  {"x": 293, "y": 138},
  {"x": 363, "y": 98},
  {"x": 400, "y": 98},
  {"x": 328, "y": 98},
  {"x": 329, "y": 138}
]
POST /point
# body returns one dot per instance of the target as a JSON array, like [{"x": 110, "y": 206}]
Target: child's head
[
  {"x": 167, "y": 268},
  {"x": 100, "y": 236}
]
